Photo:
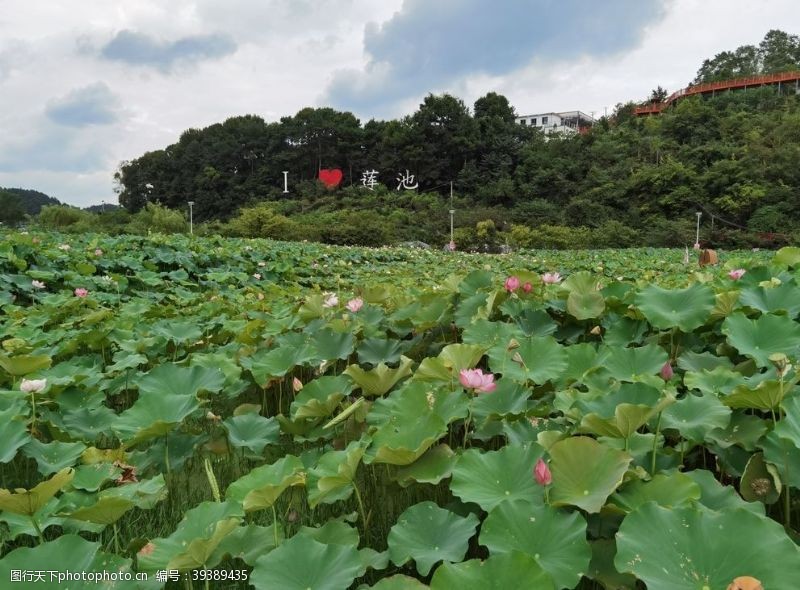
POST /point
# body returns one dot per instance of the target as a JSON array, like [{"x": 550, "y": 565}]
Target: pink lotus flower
[
  {"x": 65, "y": 247},
  {"x": 37, "y": 284},
  {"x": 330, "y": 300},
  {"x": 478, "y": 380},
  {"x": 527, "y": 287},
  {"x": 666, "y": 371},
  {"x": 696, "y": 246},
  {"x": 147, "y": 550},
  {"x": 257, "y": 276},
  {"x": 551, "y": 278},
  {"x": 451, "y": 246},
  {"x": 98, "y": 252},
  {"x": 542, "y": 473},
  {"x": 80, "y": 292},
  {"x": 512, "y": 284},
  {"x": 355, "y": 304},
  {"x": 297, "y": 385},
  {"x": 737, "y": 274},
  {"x": 33, "y": 385}
]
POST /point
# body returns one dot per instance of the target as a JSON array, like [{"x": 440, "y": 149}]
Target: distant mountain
[
  {"x": 101, "y": 208},
  {"x": 31, "y": 201}
]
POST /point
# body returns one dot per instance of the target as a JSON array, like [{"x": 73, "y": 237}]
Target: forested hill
[
  {"x": 638, "y": 180},
  {"x": 30, "y": 201}
]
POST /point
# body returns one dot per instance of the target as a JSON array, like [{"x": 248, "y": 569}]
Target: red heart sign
[{"x": 330, "y": 177}]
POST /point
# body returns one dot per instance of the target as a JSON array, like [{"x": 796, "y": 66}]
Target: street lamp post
[
  {"x": 191, "y": 222},
  {"x": 697, "y": 233}
]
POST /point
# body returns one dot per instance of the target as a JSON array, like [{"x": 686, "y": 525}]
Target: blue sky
[{"x": 87, "y": 85}]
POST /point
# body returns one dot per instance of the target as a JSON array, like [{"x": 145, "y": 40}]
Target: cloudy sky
[{"x": 86, "y": 84}]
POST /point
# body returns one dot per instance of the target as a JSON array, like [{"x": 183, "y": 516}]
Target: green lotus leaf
[
  {"x": 789, "y": 426},
  {"x": 27, "y": 502},
  {"x": 457, "y": 357},
  {"x": 88, "y": 423},
  {"x": 53, "y": 456},
  {"x": 763, "y": 336},
  {"x": 13, "y": 435},
  {"x": 554, "y": 538},
  {"x": 719, "y": 497},
  {"x": 508, "y": 398},
  {"x": 399, "y": 582},
  {"x": 784, "y": 455},
  {"x": 602, "y": 569},
  {"x": 106, "y": 510},
  {"x": 626, "y": 364},
  {"x": 743, "y": 431},
  {"x": 332, "y": 478},
  {"x": 760, "y": 481},
  {"x": 767, "y": 395},
  {"x": 333, "y": 532},
  {"x": 691, "y": 361},
  {"x": 585, "y": 472},
  {"x": 787, "y": 256},
  {"x": 331, "y": 345},
  {"x": 267, "y": 364},
  {"x": 628, "y": 418},
  {"x": 24, "y": 364},
  {"x": 252, "y": 432},
  {"x": 320, "y": 397},
  {"x": 720, "y": 380},
  {"x": 691, "y": 548},
  {"x": 604, "y": 402},
  {"x": 490, "y": 478},
  {"x": 475, "y": 307},
  {"x": 499, "y": 572},
  {"x": 92, "y": 477},
  {"x": 584, "y": 301},
  {"x": 177, "y": 331},
  {"x": 381, "y": 379},
  {"x": 246, "y": 542},
  {"x": 380, "y": 350},
  {"x": 538, "y": 359},
  {"x": 782, "y": 298},
  {"x": 670, "y": 490},
  {"x": 153, "y": 415},
  {"x": 686, "y": 309},
  {"x": 433, "y": 370},
  {"x": 695, "y": 416},
  {"x": 67, "y": 553},
  {"x": 144, "y": 494},
  {"x": 195, "y": 539},
  {"x": 261, "y": 487},
  {"x": 432, "y": 467},
  {"x": 301, "y": 563},
  {"x": 429, "y": 534},
  {"x": 174, "y": 380}
]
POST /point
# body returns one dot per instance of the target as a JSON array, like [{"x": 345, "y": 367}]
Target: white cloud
[{"x": 287, "y": 55}]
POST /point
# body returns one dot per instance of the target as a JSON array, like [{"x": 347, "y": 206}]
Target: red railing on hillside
[{"x": 655, "y": 108}]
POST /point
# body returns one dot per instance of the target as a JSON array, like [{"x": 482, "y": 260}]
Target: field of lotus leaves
[{"x": 220, "y": 413}]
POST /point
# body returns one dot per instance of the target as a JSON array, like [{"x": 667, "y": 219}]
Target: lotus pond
[{"x": 250, "y": 414}]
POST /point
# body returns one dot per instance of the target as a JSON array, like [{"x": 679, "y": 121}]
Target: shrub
[{"x": 158, "y": 219}]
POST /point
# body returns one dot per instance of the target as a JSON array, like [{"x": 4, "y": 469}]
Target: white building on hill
[{"x": 567, "y": 122}]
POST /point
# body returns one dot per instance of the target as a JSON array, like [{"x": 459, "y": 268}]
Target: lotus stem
[
  {"x": 787, "y": 508},
  {"x": 37, "y": 529},
  {"x": 116, "y": 539},
  {"x": 212, "y": 480},
  {"x": 275, "y": 524},
  {"x": 166, "y": 453},
  {"x": 361, "y": 507},
  {"x": 655, "y": 446}
]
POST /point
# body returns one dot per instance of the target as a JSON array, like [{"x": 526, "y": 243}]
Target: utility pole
[
  {"x": 697, "y": 234},
  {"x": 452, "y": 212},
  {"x": 191, "y": 221}
]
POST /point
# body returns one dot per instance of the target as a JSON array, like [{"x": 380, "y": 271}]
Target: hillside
[
  {"x": 629, "y": 181},
  {"x": 31, "y": 201}
]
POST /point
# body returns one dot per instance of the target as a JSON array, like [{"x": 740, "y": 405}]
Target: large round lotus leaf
[
  {"x": 785, "y": 455},
  {"x": 585, "y": 472},
  {"x": 720, "y": 380},
  {"x": 743, "y": 430},
  {"x": 556, "y": 539},
  {"x": 301, "y": 563},
  {"x": 760, "y": 481},
  {"x": 381, "y": 379},
  {"x": 332, "y": 477},
  {"x": 509, "y": 397},
  {"x": 195, "y": 539},
  {"x": 767, "y": 395},
  {"x": 686, "y": 308},
  {"x": 331, "y": 345},
  {"x": 67, "y": 553},
  {"x": 168, "y": 380},
  {"x": 29, "y": 501},
  {"x": 268, "y": 364},
  {"x": 475, "y": 307},
  {"x": 252, "y": 432},
  {"x": 320, "y": 397},
  {"x": 789, "y": 426},
  {"x": 53, "y": 456},
  {"x": 782, "y": 298},
  {"x": 153, "y": 415},
  {"x": 491, "y": 478},
  {"x": 602, "y": 569},
  {"x": 499, "y": 572},
  {"x": 399, "y": 582},
  {"x": 24, "y": 364},
  {"x": 177, "y": 331},
  {"x": 585, "y": 305},
  {"x": 694, "y": 416},
  {"x": 461, "y": 356},
  {"x": 537, "y": 358},
  {"x": 261, "y": 487},
  {"x": 428, "y": 534},
  {"x": 788, "y": 256},
  {"x": 692, "y": 548},
  {"x": 691, "y": 361},
  {"x": 13, "y": 435},
  {"x": 719, "y": 497},
  {"x": 248, "y": 543},
  {"x": 625, "y": 364},
  {"x": 670, "y": 490},
  {"x": 432, "y": 467},
  {"x": 380, "y": 350},
  {"x": 628, "y": 418},
  {"x": 763, "y": 336},
  {"x": 604, "y": 402}
]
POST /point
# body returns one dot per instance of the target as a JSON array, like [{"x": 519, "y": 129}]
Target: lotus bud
[
  {"x": 542, "y": 473},
  {"x": 297, "y": 385},
  {"x": 666, "y": 371},
  {"x": 33, "y": 385}
]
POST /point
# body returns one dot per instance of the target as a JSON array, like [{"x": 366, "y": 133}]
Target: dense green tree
[{"x": 11, "y": 210}]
